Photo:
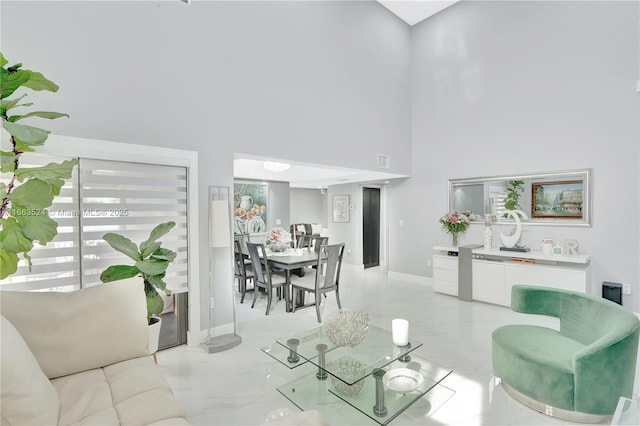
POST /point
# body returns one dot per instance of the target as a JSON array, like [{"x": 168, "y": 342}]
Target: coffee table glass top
[
  {"x": 344, "y": 379},
  {"x": 348, "y": 364}
]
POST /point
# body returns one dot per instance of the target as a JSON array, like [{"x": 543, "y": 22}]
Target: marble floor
[{"x": 238, "y": 386}]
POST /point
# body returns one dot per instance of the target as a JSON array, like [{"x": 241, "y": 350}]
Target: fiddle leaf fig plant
[
  {"x": 151, "y": 263},
  {"x": 514, "y": 191},
  {"x": 26, "y": 193}
]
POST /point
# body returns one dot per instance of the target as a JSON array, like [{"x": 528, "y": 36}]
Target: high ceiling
[
  {"x": 414, "y": 11},
  {"x": 319, "y": 176}
]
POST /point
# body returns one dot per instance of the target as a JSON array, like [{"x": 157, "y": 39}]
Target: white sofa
[{"x": 81, "y": 358}]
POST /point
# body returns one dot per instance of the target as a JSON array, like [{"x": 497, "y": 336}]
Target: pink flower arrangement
[
  {"x": 278, "y": 235},
  {"x": 456, "y": 221}
]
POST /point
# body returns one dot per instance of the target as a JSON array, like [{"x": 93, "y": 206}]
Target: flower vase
[{"x": 454, "y": 239}]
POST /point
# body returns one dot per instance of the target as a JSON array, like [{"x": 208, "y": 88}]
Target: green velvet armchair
[{"x": 576, "y": 373}]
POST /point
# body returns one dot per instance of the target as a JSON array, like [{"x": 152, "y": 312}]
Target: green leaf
[
  {"x": 13, "y": 238},
  {"x": 10, "y": 82},
  {"x": 118, "y": 272},
  {"x": 33, "y": 194},
  {"x": 123, "y": 245},
  {"x": 3, "y": 190},
  {"x": 147, "y": 249},
  {"x": 152, "y": 267},
  {"x": 37, "y": 81},
  {"x": 42, "y": 114},
  {"x": 155, "y": 304},
  {"x": 52, "y": 173},
  {"x": 28, "y": 135},
  {"x": 21, "y": 147},
  {"x": 7, "y": 162},
  {"x": 159, "y": 231},
  {"x": 37, "y": 227},
  {"x": 157, "y": 282},
  {"x": 164, "y": 254},
  {"x": 7, "y": 104},
  {"x": 3, "y": 60},
  {"x": 8, "y": 263}
]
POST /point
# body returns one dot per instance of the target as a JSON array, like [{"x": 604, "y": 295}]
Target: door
[{"x": 371, "y": 227}]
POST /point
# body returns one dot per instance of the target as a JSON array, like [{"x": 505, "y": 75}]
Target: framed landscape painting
[{"x": 561, "y": 199}]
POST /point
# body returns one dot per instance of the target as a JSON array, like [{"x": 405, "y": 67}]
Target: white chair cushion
[
  {"x": 66, "y": 331},
  {"x": 308, "y": 281},
  {"x": 28, "y": 398},
  {"x": 131, "y": 392}
]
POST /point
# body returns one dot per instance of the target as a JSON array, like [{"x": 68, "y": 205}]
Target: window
[{"x": 106, "y": 196}]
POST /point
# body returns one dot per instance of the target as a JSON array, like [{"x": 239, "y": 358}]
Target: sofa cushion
[
  {"x": 537, "y": 362},
  {"x": 66, "y": 331},
  {"x": 23, "y": 384},
  {"x": 128, "y": 392}
]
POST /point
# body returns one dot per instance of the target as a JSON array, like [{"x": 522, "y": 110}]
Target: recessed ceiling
[
  {"x": 310, "y": 176},
  {"x": 414, "y": 11}
]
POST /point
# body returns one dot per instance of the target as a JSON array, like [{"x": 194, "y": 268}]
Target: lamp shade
[{"x": 220, "y": 232}]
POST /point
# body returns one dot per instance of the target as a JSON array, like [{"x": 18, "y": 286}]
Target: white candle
[{"x": 400, "y": 332}]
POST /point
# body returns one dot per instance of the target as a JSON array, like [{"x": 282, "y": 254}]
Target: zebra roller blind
[
  {"x": 55, "y": 266},
  {"x": 108, "y": 196}
]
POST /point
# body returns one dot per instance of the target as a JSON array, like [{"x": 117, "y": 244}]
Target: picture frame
[
  {"x": 250, "y": 203},
  {"x": 341, "y": 208},
  {"x": 558, "y": 199}
]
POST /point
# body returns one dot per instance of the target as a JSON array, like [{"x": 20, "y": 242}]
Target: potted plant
[
  {"x": 151, "y": 263},
  {"x": 26, "y": 193},
  {"x": 514, "y": 191}
]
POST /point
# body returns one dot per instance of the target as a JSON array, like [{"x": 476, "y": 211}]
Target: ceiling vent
[{"x": 383, "y": 161}]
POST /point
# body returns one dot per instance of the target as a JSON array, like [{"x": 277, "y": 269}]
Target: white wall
[
  {"x": 275, "y": 79},
  {"x": 279, "y": 205},
  {"x": 349, "y": 233},
  {"x": 517, "y": 87},
  {"x": 307, "y": 206}
]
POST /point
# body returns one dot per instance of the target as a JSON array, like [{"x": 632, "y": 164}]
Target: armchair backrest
[{"x": 583, "y": 317}]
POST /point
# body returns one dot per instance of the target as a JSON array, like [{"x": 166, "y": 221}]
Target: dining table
[{"x": 289, "y": 260}]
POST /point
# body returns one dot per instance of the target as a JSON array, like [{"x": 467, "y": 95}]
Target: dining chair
[
  {"x": 243, "y": 271},
  {"x": 304, "y": 241},
  {"x": 326, "y": 279},
  {"x": 262, "y": 276},
  {"x": 317, "y": 242}
]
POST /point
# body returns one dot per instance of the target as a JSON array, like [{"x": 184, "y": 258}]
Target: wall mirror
[{"x": 560, "y": 198}]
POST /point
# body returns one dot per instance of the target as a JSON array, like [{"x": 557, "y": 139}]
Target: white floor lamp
[{"x": 220, "y": 238}]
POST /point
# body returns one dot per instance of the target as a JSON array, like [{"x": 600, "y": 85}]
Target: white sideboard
[
  {"x": 495, "y": 272},
  {"x": 445, "y": 274}
]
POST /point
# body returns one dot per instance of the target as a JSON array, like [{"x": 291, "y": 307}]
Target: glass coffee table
[{"x": 377, "y": 378}]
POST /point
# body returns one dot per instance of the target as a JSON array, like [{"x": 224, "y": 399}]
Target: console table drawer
[{"x": 445, "y": 262}]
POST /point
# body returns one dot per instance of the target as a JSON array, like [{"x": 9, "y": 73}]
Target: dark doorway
[{"x": 371, "y": 227}]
